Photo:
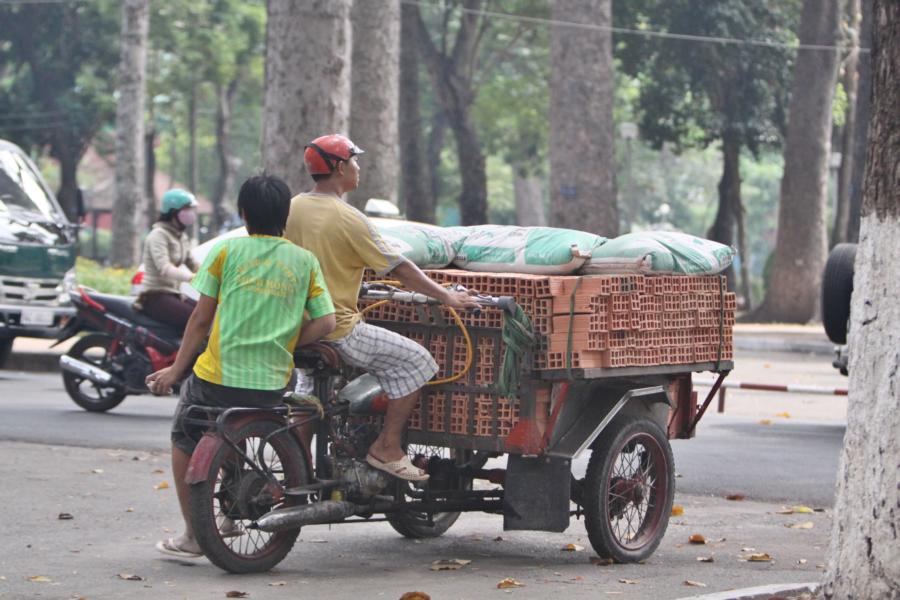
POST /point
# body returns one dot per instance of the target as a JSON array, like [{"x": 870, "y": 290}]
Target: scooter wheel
[{"x": 90, "y": 396}]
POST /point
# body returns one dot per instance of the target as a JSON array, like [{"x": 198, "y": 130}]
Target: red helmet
[{"x": 324, "y": 153}]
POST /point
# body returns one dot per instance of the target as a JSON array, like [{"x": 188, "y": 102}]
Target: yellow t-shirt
[{"x": 345, "y": 242}]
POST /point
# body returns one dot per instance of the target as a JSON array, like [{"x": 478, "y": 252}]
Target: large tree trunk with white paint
[
  {"x": 802, "y": 242},
  {"x": 864, "y": 558},
  {"x": 582, "y": 134},
  {"x": 129, "y": 203},
  {"x": 374, "y": 104},
  {"x": 308, "y": 53}
]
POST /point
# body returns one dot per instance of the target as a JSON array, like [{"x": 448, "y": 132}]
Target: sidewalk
[
  {"x": 31, "y": 354},
  {"x": 118, "y": 514}
]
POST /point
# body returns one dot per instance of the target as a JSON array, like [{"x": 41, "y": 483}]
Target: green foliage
[
  {"x": 103, "y": 279},
  {"x": 86, "y": 243}
]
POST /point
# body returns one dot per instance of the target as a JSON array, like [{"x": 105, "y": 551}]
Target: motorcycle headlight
[{"x": 68, "y": 284}]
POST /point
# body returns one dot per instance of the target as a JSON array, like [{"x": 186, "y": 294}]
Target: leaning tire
[
  {"x": 90, "y": 396},
  {"x": 234, "y": 491},
  {"x": 837, "y": 288},
  {"x": 628, "y": 489}
]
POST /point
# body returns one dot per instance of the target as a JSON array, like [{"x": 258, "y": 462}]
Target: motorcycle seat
[
  {"x": 122, "y": 306},
  {"x": 309, "y": 356}
]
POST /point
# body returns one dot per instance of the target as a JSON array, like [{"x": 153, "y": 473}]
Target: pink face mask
[{"x": 187, "y": 216}]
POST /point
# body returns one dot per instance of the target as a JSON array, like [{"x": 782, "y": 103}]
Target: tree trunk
[
  {"x": 802, "y": 242},
  {"x": 722, "y": 229},
  {"x": 473, "y": 197},
  {"x": 225, "y": 182},
  {"x": 308, "y": 53},
  {"x": 150, "y": 201},
  {"x": 68, "y": 180},
  {"x": 192, "y": 140},
  {"x": 374, "y": 104},
  {"x": 863, "y": 113},
  {"x": 864, "y": 557},
  {"x": 742, "y": 252},
  {"x": 418, "y": 203},
  {"x": 840, "y": 231},
  {"x": 582, "y": 134},
  {"x": 127, "y": 211},
  {"x": 529, "y": 194},
  {"x": 436, "y": 139}
]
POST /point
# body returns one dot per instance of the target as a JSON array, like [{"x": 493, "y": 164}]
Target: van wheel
[
  {"x": 6, "y": 344},
  {"x": 837, "y": 288}
]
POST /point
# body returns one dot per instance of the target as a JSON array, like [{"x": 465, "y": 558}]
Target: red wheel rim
[{"x": 635, "y": 491}]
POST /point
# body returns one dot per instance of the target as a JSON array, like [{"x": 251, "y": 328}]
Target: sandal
[
  {"x": 401, "y": 469},
  {"x": 169, "y": 548}
]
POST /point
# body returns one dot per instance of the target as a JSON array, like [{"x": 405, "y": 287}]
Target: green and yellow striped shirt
[{"x": 262, "y": 285}]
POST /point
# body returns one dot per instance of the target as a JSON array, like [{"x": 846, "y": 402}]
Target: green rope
[{"x": 518, "y": 336}]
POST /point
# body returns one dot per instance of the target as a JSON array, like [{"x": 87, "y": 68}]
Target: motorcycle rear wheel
[
  {"x": 233, "y": 491},
  {"x": 94, "y": 349}
]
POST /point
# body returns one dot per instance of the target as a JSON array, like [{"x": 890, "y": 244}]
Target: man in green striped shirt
[{"x": 253, "y": 293}]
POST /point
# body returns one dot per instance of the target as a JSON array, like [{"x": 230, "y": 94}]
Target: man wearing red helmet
[{"x": 346, "y": 243}]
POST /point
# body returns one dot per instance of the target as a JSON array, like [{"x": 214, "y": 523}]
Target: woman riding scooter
[{"x": 168, "y": 262}]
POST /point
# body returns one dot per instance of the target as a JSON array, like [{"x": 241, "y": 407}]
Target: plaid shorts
[{"x": 399, "y": 364}]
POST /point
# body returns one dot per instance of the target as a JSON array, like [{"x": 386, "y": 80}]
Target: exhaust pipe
[
  {"x": 316, "y": 513},
  {"x": 86, "y": 370}
]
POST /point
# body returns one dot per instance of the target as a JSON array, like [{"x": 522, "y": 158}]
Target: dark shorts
[{"x": 199, "y": 391}]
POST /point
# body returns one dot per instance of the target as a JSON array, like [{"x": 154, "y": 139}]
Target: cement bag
[
  {"x": 660, "y": 252},
  {"x": 427, "y": 246},
  {"x": 534, "y": 250}
]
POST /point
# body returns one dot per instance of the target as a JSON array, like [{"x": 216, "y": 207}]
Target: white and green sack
[
  {"x": 533, "y": 250},
  {"x": 659, "y": 252},
  {"x": 427, "y": 246}
]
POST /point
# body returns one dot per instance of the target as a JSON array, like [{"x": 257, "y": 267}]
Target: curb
[
  {"x": 44, "y": 362},
  {"x": 763, "y": 592},
  {"x": 770, "y": 344}
]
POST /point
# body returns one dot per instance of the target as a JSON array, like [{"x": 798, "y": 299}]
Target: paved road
[{"x": 785, "y": 461}]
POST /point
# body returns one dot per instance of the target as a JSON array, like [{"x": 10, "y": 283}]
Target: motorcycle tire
[
  {"x": 628, "y": 489},
  {"x": 235, "y": 491},
  {"x": 94, "y": 349}
]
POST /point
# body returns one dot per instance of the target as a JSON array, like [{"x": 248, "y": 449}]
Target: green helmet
[{"x": 176, "y": 199}]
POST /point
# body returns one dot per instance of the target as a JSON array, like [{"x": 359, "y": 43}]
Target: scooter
[{"x": 121, "y": 348}]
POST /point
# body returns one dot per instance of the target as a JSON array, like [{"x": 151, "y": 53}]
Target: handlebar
[{"x": 377, "y": 291}]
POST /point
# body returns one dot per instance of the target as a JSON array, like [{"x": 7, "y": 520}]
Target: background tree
[
  {"x": 802, "y": 243},
  {"x": 864, "y": 556},
  {"x": 374, "y": 104},
  {"x": 57, "y": 91},
  {"x": 308, "y": 57},
  {"x": 582, "y": 142},
  {"x": 695, "y": 94},
  {"x": 861, "y": 120},
  {"x": 130, "y": 133}
]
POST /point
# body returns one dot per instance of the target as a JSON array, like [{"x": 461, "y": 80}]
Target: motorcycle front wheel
[
  {"x": 234, "y": 495},
  {"x": 93, "y": 349}
]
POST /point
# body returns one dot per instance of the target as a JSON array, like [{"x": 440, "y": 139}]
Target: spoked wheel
[
  {"x": 417, "y": 525},
  {"x": 234, "y": 495},
  {"x": 93, "y": 349},
  {"x": 628, "y": 489}
]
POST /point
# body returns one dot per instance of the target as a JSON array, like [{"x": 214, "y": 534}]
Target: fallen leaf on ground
[
  {"x": 784, "y": 511},
  {"x": 278, "y": 583},
  {"x": 735, "y": 497},
  {"x": 694, "y": 583},
  {"x": 317, "y": 541},
  {"x": 449, "y": 564},
  {"x": 784, "y": 415},
  {"x": 697, "y": 539},
  {"x": 97, "y": 471},
  {"x": 572, "y": 548},
  {"x": 130, "y": 577},
  {"x": 629, "y": 581},
  {"x": 65, "y": 517},
  {"x": 765, "y": 421},
  {"x": 677, "y": 510},
  {"x": 802, "y": 510},
  {"x": 163, "y": 485},
  {"x": 705, "y": 559},
  {"x": 759, "y": 557},
  {"x": 415, "y": 596},
  {"x": 158, "y": 471},
  {"x": 601, "y": 562},
  {"x": 129, "y": 509},
  {"x": 802, "y": 561},
  {"x": 748, "y": 549},
  {"x": 803, "y": 525},
  {"x": 498, "y": 538},
  {"x": 236, "y": 594},
  {"x": 820, "y": 566},
  {"x": 509, "y": 582},
  {"x": 39, "y": 579}
]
